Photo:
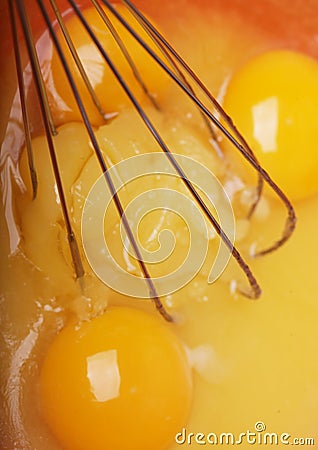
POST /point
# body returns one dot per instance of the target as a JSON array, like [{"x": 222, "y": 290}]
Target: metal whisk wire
[
  {"x": 231, "y": 133},
  {"x": 170, "y": 62}
]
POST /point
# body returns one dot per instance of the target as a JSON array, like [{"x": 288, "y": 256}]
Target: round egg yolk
[
  {"x": 119, "y": 381},
  {"x": 109, "y": 92},
  {"x": 273, "y": 101}
]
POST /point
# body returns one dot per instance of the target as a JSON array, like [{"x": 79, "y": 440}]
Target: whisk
[{"x": 168, "y": 60}]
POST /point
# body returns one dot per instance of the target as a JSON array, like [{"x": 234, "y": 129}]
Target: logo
[{"x": 163, "y": 191}]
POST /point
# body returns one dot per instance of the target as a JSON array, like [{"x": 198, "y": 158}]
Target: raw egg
[
  {"x": 273, "y": 100},
  {"x": 109, "y": 92},
  {"x": 120, "y": 381}
]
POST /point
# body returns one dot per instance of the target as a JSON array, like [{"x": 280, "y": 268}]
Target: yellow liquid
[{"x": 253, "y": 361}]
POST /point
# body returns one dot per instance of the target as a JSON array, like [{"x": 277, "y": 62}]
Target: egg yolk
[
  {"x": 273, "y": 101},
  {"x": 109, "y": 92},
  {"x": 41, "y": 219},
  {"x": 119, "y": 381}
]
